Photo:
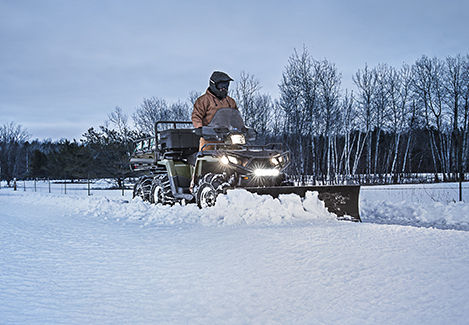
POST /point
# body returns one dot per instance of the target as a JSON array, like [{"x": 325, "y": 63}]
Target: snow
[
  {"x": 104, "y": 259},
  {"x": 427, "y": 205}
]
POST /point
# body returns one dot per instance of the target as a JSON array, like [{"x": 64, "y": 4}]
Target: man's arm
[
  {"x": 233, "y": 103},
  {"x": 198, "y": 113}
]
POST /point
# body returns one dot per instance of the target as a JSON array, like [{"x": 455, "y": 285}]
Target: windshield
[{"x": 229, "y": 118}]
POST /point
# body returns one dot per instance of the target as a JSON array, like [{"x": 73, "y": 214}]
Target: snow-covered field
[{"x": 104, "y": 258}]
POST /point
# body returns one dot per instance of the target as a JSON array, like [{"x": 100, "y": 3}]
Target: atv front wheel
[
  {"x": 208, "y": 189},
  {"x": 206, "y": 196}
]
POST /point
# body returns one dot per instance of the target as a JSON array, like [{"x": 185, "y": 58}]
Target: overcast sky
[{"x": 64, "y": 65}]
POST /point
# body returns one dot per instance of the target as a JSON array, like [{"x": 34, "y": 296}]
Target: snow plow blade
[{"x": 339, "y": 199}]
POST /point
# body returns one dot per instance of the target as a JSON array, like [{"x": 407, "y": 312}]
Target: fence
[
  {"x": 376, "y": 179},
  {"x": 418, "y": 193},
  {"x": 84, "y": 187},
  {"x": 369, "y": 180},
  {"x": 422, "y": 192}
]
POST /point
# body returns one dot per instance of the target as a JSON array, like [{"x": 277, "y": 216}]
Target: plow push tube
[{"x": 339, "y": 199}]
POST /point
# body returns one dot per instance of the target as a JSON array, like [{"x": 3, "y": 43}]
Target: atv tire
[
  {"x": 142, "y": 188},
  {"x": 208, "y": 189},
  {"x": 161, "y": 190}
]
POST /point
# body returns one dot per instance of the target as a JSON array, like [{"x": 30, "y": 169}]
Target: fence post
[
  {"x": 123, "y": 187},
  {"x": 14, "y": 184},
  {"x": 65, "y": 186},
  {"x": 24, "y": 185},
  {"x": 460, "y": 189},
  {"x": 49, "y": 184},
  {"x": 89, "y": 193},
  {"x": 35, "y": 189}
]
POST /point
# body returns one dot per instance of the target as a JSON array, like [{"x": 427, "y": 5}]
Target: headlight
[
  {"x": 225, "y": 160},
  {"x": 237, "y": 139},
  {"x": 233, "y": 160},
  {"x": 266, "y": 172},
  {"x": 276, "y": 160}
]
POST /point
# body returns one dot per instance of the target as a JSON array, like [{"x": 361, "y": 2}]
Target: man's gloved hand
[{"x": 198, "y": 131}]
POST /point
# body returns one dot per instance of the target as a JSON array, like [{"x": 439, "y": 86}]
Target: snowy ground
[
  {"x": 427, "y": 205},
  {"x": 74, "y": 259}
]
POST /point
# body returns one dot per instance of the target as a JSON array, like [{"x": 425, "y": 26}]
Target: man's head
[{"x": 219, "y": 84}]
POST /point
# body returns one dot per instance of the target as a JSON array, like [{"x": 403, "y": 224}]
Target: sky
[{"x": 65, "y": 65}]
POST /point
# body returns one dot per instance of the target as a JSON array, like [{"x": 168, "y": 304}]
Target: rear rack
[{"x": 174, "y": 123}]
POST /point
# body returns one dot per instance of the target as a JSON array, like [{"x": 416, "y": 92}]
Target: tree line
[{"x": 395, "y": 121}]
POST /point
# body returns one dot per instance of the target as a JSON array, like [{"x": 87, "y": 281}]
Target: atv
[{"x": 173, "y": 170}]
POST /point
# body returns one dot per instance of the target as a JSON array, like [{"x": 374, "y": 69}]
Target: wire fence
[
  {"x": 379, "y": 179},
  {"x": 83, "y": 187},
  {"x": 419, "y": 193},
  {"x": 416, "y": 186},
  {"x": 423, "y": 193}
]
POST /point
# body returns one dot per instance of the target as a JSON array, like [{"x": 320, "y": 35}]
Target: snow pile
[
  {"x": 243, "y": 207},
  {"x": 454, "y": 215},
  {"x": 237, "y": 207}
]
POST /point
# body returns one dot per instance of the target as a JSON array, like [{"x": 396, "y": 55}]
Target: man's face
[{"x": 223, "y": 85}]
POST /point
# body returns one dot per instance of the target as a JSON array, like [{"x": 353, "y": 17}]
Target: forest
[{"x": 395, "y": 123}]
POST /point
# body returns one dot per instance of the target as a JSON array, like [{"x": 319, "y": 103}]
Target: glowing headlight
[
  {"x": 237, "y": 139},
  {"x": 276, "y": 160},
  {"x": 225, "y": 160},
  {"x": 233, "y": 160},
  {"x": 266, "y": 172}
]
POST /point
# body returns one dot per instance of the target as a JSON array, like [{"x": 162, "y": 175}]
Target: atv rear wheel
[
  {"x": 157, "y": 194},
  {"x": 161, "y": 190},
  {"x": 142, "y": 189}
]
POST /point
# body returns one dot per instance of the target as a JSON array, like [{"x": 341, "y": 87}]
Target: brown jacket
[{"x": 207, "y": 105}]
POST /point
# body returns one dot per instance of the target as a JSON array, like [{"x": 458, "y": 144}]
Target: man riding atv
[
  {"x": 180, "y": 164},
  {"x": 209, "y": 103}
]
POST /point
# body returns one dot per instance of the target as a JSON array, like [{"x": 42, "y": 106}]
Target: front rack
[{"x": 245, "y": 147}]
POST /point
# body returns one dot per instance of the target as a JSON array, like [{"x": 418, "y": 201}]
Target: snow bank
[
  {"x": 240, "y": 206},
  {"x": 236, "y": 208},
  {"x": 453, "y": 215}
]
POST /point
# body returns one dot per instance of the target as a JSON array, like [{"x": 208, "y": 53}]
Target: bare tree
[
  {"x": 246, "y": 89},
  {"x": 399, "y": 82},
  {"x": 12, "y": 139},
  {"x": 329, "y": 79},
  {"x": 348, "y": 126},
  {"x": 298, "y": 99},
  {"x": 117, "y": 120},
  {"x": 193, "y": 95},
  {"x": 455, "y": 80},
  {"x": 428, "y": 86},
  {"x": 366, "y": 82},
  {"x": 465, "y": 115},
  {"x": 381, "y": 111},
  {"x": 155, "y": 109},
  {"x": 180, "y": 111},
  {"x": 262, "y": 114},
  {"x": 256, "y": 108}
]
